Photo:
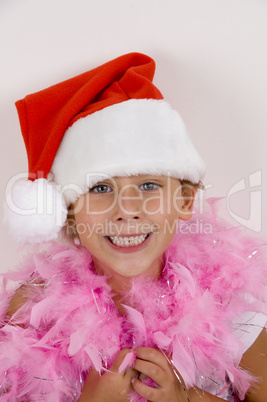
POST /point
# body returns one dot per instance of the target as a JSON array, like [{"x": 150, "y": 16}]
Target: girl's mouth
[{"x": 128, "y": 241}]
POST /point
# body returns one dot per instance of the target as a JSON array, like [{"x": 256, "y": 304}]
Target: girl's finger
[
  {"x": 152, "y": 355},
  {"x": 131, "y": 373},
  {"x": 149, "y": 393},
  {"x": 151, "y": 370}
]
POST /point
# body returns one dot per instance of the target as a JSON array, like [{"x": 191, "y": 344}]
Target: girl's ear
[{"x": 189, "y": 193}]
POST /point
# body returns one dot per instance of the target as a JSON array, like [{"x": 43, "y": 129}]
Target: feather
[
  {"x": 161, "y": 339},
  {"x": 77, "y": 339},
  {"x": 95, "y": 356},
  {"x": 128, "y": 361},
  {"x": 70, "y": 324},
  {"x": 187, "y": 281},
  {"x": 137, "y": 320}
]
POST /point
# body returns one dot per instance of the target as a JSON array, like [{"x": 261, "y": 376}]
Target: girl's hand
[
  {"x": 152, "y": 363},
  {"x": 111, "y": 386}
]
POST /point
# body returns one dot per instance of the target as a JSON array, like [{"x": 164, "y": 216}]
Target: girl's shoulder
[{"x": 18, "y": 299}]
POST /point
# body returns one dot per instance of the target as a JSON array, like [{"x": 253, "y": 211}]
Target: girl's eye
[
  {"x": 149, "y": 186},
  {"x": 101, "y": 188}
]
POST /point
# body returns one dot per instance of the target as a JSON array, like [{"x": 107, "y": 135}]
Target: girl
[{"x": 132, "y": 302}]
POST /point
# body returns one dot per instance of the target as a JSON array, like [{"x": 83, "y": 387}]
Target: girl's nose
[{"x": 129, "y": 203}]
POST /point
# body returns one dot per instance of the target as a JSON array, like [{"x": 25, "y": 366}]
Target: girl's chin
[
  {"x": 123, "y": 270},
  {"x": 130, "y": 273},
  {"x": 129, "y": 268}
]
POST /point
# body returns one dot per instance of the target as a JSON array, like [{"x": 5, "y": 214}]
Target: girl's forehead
[{"x": 136, "y": 178}]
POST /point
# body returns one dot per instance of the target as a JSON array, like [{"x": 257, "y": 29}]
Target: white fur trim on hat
[
  {"x": 34, "y": 211},
  {"x": 138, "y": 136}
]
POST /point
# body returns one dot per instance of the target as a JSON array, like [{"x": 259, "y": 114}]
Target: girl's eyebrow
[
  {"x": 107, "y": 182},
  {"x": 133, "y": 180}
]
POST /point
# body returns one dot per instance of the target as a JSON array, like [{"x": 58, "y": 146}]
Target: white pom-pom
[{"x": 35, "y": 211}]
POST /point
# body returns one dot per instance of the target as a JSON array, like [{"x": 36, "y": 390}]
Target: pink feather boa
[{"x": 70, "y": 324}]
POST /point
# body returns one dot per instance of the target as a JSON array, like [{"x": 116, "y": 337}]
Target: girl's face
[{"x": 128, "y": 222}]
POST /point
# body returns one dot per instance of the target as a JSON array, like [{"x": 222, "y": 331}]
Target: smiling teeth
[{"x": 127, "y": 241}]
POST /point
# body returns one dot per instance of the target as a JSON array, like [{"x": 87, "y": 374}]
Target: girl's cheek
[
  {"x": 153, "y": 205},
  {"x": 101, "y": 205}
]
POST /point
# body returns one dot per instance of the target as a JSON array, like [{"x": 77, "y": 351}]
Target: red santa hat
[{"x": 110, "y": 121}]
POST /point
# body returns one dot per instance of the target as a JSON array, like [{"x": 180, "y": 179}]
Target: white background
[{"x": 211, "y": 60}]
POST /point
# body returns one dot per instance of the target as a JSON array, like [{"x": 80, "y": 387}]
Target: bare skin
[{"x": 255, "y": 361}]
